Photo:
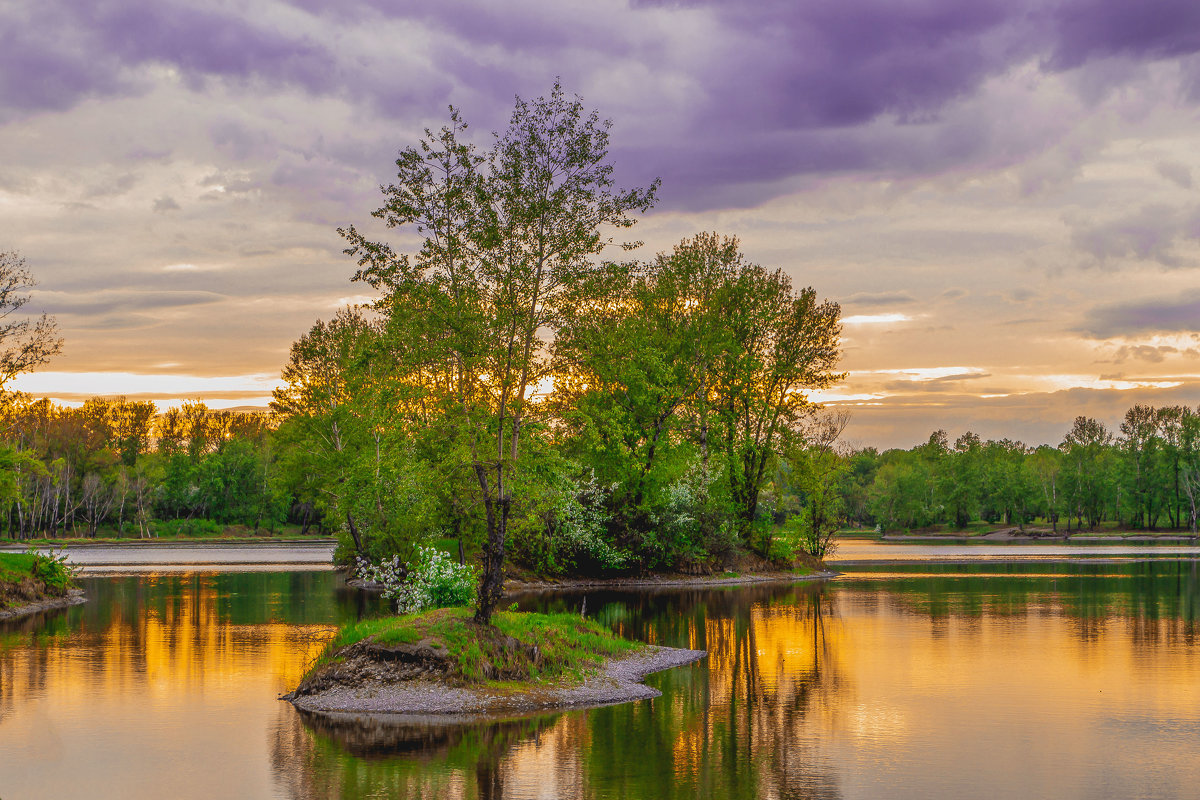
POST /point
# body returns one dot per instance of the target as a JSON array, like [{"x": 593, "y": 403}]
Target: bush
[
  {"x": 432, "y": 580},
  {"x": 53, "y": 571}
]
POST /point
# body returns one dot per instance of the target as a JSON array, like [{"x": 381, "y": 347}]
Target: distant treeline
[
  {"x": 1146, "y": 475},
  {"x": 122, "y": 464},
  {"x": 124, "y": 467}
]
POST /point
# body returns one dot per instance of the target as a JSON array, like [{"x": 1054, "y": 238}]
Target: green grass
[
  {"x": 567, "y": 646},
  {"x": 15, "y": 566},
  {"x": 25, "y": 577}
]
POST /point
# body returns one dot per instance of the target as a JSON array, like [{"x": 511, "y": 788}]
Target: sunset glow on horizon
[{"x": 1002, "y": 197}]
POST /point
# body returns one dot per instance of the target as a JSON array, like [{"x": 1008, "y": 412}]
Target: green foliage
[
  {"x": 66, "y": 472},
  {"x": 53, "y": 571},
  {"x": 188, "y": 528},
  {"x": 1144, "y": 478}
]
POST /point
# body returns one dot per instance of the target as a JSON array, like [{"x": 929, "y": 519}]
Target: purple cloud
[
  {"x": 1089, "y": 29},
  {"x": 1149, "y": 234},
  {"x": 776, "y": 90},
  {"x": 1179, "y": 314}
]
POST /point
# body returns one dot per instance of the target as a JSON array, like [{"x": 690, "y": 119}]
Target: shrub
[
  {"x": 53, "y": 571},
  {"x": 432, "y": 580}
]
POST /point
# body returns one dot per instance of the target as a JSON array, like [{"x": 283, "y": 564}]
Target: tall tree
[
  {"x": 1085, "y": 479},
  {"x": 505, "y": 235},
  {"x": 782, "y": 345}
]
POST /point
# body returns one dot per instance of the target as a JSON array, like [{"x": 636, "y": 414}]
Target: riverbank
[
  {"x": 72, "y": 598},
  {"x": 127, "y": 557},
  {"x": 522, "y": 585},
  {"x": 1031, "y": 534},
  {"x": 31, "y": 583},
  {"x": 442, "y": 663}
]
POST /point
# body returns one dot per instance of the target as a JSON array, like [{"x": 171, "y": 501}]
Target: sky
[{"x": 1004, "y": 197}]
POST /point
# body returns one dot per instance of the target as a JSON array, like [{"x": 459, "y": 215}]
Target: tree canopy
[{"x": 516, "y": 389}]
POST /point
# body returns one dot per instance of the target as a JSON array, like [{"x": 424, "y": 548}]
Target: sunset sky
[{"x": 1003, "y": 196}]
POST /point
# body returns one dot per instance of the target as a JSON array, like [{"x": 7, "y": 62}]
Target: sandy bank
[
  {"x": 618, "y": 680},
  {"x": 1043, "y": 535}
]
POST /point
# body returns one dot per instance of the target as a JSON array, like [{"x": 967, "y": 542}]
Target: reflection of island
[
  {"x": 735, "y": 726},
  {"x": 348, "y": 756}
]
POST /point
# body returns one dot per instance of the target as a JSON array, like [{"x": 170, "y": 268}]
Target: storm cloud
[
  {"x": 735, "y": 101},
  {"x": 1007, "y": 174}
]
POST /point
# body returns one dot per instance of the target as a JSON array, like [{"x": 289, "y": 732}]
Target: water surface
[{"x": 1035, "y": 679}]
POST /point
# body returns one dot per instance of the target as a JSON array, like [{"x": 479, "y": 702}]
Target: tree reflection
[
  {"x": 735, "y": 725},
  {"x": 370, "y": 755}
]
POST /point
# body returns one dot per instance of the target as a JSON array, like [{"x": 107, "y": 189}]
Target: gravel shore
[
  {"x": 73, "y": 598},
  {"x": 617, "y": 681}
]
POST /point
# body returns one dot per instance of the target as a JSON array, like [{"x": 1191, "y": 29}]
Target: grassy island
[
  {"x": 516, "y": 647},
  {"x": 442, "y": 662}
]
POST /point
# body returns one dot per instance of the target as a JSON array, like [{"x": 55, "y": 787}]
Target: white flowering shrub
[
  {"x": 432, "y": 580},
  {"x": 583, "y": 520}
]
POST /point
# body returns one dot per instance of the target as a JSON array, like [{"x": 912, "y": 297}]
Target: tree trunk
[
  {"x": 354, "y": 533},
  {"x": 491, "y": 581}
]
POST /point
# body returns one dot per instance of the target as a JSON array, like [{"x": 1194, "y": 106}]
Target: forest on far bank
[{"x": 123, "y": 468}]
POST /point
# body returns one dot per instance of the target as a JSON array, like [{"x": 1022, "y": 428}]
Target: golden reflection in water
[
  {"x": 123, "y": 703},
  {"x": 847, "y": 691},
  {"x": 859, "y": 694}
]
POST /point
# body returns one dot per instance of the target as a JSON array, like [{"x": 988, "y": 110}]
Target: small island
[
  {"x": 33, "y": 582},
  {"x": 441, "y": 662}
]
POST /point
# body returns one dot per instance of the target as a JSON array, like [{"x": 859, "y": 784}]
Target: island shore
[
  {"x": 516, "y": 586},
  {"x": 72, "y": 598},
  {"x": 617, "y": 680}
]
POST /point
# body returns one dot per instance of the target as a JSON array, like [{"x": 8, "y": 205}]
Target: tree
[
  {"x": 634, "y": 356},
  {"x": 1085, "y": 476},
  {"x": 1189, "y": 470},
  {"x": 1138, "y": 447},
  {"x": 816, "y": 471},
  {"x": 782, "y": 344},
  {"x": 1046, "y": 467},
  {"x": 24, "y": 343},
  {"x": 505, "y": 235}
]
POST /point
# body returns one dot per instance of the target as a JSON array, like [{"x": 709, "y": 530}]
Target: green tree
[
  {"x": 505, "y": 236},
  {"x": 634, "y": 355},
  {"x": 782, "y": 345},
  {"x": 1085, "y": 477},
  {"x": 816, "y": 471}
]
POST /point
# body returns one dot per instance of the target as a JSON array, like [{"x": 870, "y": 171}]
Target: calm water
[{"x": 1040, "y": 679}]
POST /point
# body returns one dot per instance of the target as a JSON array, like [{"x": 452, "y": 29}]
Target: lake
[{"x": 1047, "y": 678}]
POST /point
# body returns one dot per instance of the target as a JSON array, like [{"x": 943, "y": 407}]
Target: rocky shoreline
[
  {"x": 617, "y": 680},
  {"x": 72, "y": 598}
]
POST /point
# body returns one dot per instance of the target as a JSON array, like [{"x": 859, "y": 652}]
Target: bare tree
[{"x": 24, "y": 342}]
